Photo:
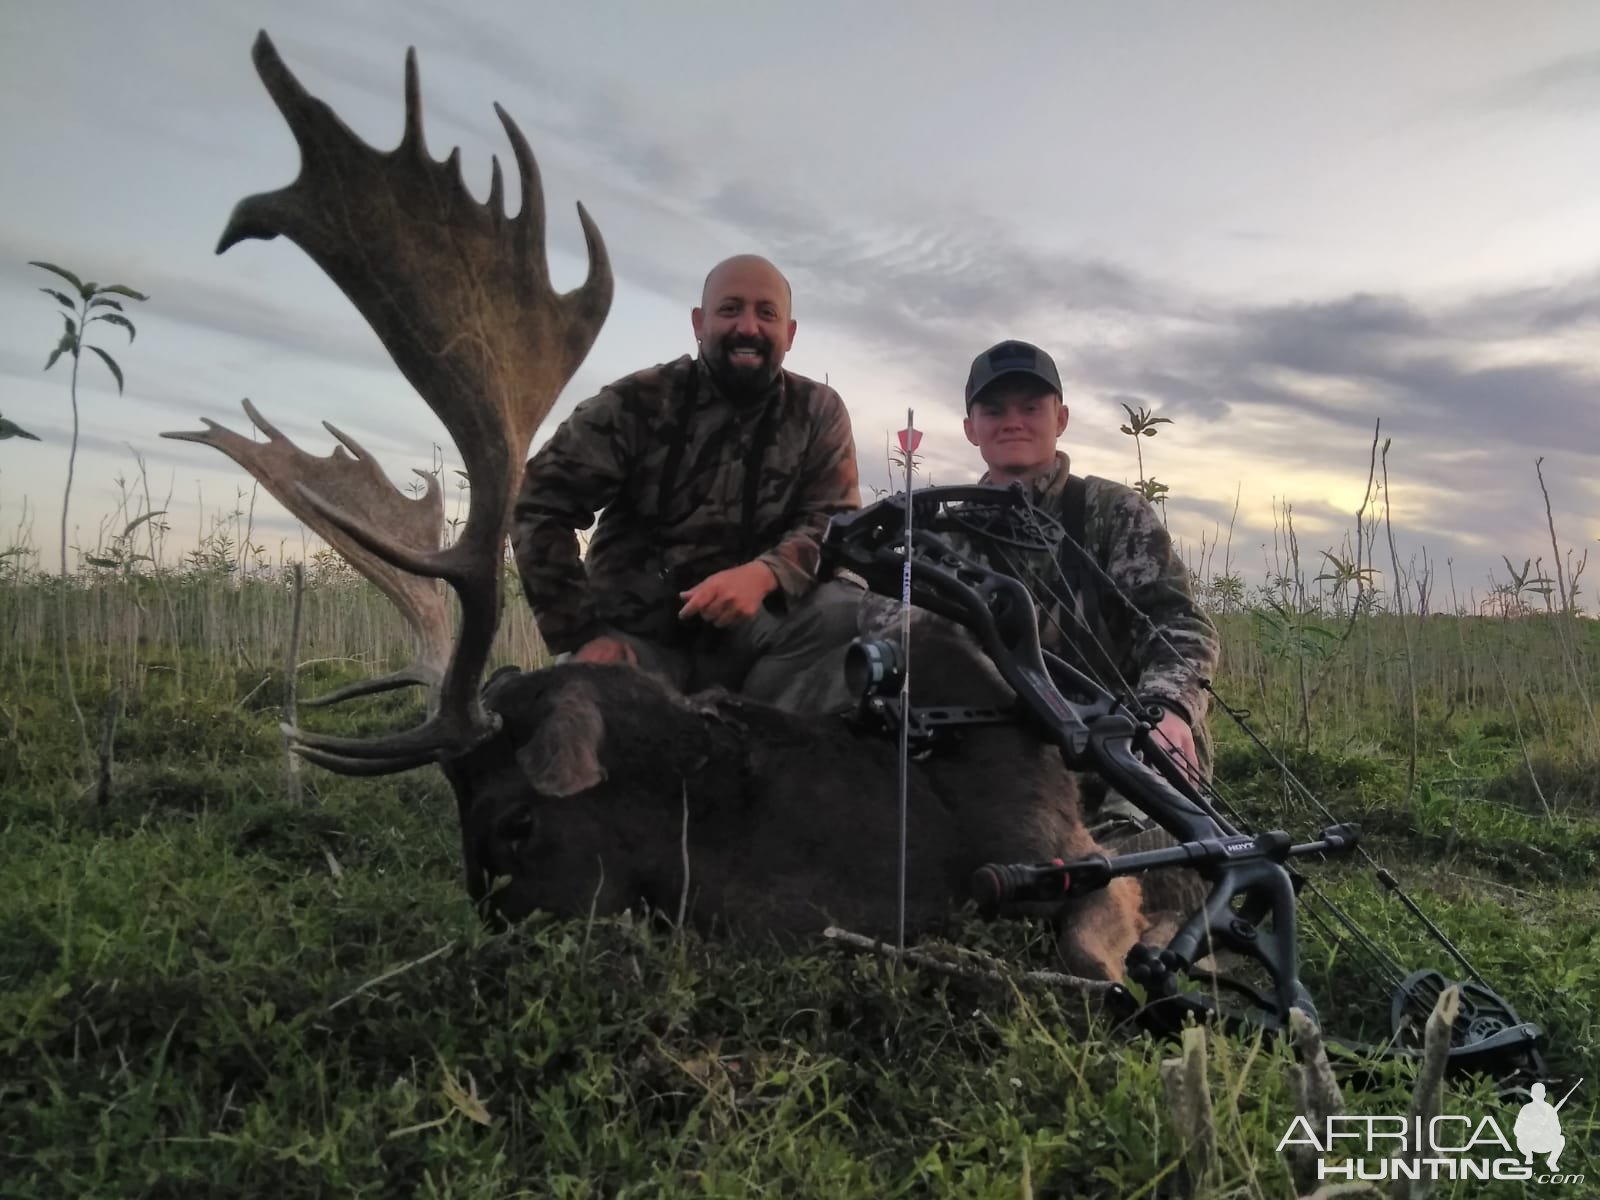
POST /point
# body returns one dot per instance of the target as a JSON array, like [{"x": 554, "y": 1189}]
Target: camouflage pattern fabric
[
  {"x": 611, "y": 454},
  {"x": 794, "y": 660},
  {"x": 1122, "y": 531}
]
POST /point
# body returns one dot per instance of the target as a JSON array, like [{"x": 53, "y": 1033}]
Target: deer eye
[{"x": 515, "y": 828}]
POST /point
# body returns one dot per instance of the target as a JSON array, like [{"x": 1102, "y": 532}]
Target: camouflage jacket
[
  {"x": 657, "y": 537},
  {"x": 1162, "y": 662}
]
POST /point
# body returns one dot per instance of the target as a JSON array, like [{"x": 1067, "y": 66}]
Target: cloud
[
  {"x": 1346, "y": 361},
  {"x": 1555, "y": 308},
  {"x": 1570, "y": 84}
]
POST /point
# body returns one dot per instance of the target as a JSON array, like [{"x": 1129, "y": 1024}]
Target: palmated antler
[
  {"x": 357, "y": 486},
  {"x": 459, "y": 293}
]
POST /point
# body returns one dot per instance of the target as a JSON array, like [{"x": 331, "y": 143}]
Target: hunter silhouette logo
[
  {"x": 1538, "y": 1127},
  {"x": 1449, "y": 1146}
]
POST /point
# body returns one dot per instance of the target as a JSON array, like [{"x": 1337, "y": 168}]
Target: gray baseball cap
[{"x": 1011, "y": 358}]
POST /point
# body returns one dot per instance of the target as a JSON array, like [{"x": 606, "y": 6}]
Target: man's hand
[
  {"x": 605, "y": 649},
  {"x": 1172, "y": 734},
  {"x": 729, "y": 596}
]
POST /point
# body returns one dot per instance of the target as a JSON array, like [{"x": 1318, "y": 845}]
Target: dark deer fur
[
  {"x": 792, "y": 820},
  {"x": 574, "y": 783}
]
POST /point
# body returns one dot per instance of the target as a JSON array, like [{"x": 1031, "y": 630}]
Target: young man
[
  {"x": 717, "y": 475},
  {"x": 1015, "y": 414}
]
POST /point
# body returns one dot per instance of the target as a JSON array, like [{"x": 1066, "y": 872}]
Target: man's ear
[
  {"x": 1061, "y": 419},
  {"x": 966, "y": 427},
  {"x": 793, "y": 325},
  {"x": 697, "y": 320}
]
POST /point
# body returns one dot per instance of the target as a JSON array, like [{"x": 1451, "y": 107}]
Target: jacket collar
[{"x": 1048, "y": 484}]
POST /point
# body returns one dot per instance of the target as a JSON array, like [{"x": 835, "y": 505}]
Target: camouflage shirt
[
  {"x": 657, "y": 537},
  {"x": 1163, "y": 661}
]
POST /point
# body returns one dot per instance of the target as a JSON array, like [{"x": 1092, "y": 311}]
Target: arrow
[{"x": 909, "y": 437}]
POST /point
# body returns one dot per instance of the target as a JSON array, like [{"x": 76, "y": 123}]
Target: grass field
[{"x": 219, "y": 980}]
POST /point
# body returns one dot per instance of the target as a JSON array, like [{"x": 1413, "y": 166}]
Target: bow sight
[{"x": 1255, "y": 896}]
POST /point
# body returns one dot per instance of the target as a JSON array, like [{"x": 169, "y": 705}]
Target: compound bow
[{"x": 1256, "y": 898}]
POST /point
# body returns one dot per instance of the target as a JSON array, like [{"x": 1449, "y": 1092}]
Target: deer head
[{"x": 459, "y": 294}]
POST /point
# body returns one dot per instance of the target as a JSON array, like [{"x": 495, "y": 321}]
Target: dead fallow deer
[{"x": 585, "y": 787}]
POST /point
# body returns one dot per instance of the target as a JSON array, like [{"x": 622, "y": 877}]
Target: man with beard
[{"x": 714, "y": 477}]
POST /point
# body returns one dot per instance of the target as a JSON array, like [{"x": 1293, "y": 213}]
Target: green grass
[{"x": 210, "y": 988}]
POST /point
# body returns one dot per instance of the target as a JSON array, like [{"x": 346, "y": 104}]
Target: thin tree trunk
[
  {"x": 61, "y": 593},
  {"x": 1405, "y": 633}
]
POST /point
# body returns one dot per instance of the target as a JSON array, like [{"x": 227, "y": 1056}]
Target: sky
[{"x": 1274, "y": 225}]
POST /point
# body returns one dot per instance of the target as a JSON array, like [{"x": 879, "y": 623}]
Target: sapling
[{"x": 93, "y": 303}]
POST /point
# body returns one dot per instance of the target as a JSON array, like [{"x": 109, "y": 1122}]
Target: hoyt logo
[{"x": 1449, "y": 1146}]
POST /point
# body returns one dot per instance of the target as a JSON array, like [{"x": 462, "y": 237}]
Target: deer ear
[{"x": 562, "y": 758}]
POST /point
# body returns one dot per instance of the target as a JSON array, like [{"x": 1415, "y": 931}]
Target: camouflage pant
[{"x": 793, "y": 659}]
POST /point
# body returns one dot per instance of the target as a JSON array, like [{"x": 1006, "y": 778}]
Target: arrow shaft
[
  {"x": 905, "y": 684},
  {"x": 1568, "y": 1096}
]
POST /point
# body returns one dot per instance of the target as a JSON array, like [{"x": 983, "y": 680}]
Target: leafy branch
[
  {"x": 1142, "y": 424},
  {"x": 10, "y": 429}
]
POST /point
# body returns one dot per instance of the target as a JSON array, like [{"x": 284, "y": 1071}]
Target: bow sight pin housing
[{"x": 874, "y": 667}]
